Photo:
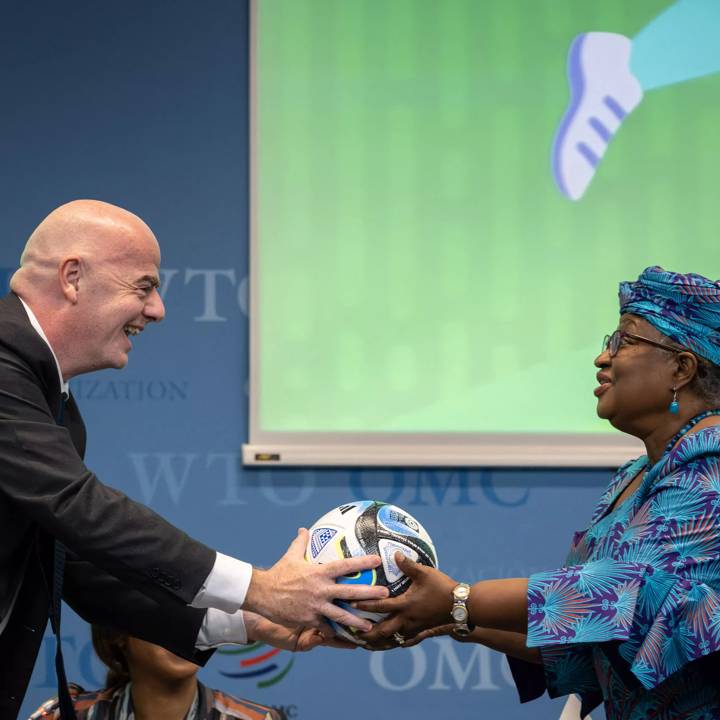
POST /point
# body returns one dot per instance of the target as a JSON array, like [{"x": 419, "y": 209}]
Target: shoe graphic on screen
[{"x": 603, "y": 92}]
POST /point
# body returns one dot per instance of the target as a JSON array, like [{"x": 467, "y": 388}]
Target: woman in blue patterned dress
[{"x": 632, "y": 619}]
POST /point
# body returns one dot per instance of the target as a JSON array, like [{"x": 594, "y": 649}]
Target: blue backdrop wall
[{"x": 144, "y": 104}]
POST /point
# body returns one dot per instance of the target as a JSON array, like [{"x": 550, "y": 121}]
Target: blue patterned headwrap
[{"x": 685, "y": 308}]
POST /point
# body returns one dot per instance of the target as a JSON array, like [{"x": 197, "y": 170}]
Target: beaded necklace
[
  {"x": 650, "y": 473},
  {"x": 686, "y": 428}
]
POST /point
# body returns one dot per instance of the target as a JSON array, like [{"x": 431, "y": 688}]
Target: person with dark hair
[
  {"x": 146, "y": 682},
  {"x": 632, "y": 619}
]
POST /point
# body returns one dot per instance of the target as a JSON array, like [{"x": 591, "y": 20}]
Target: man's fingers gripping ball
[{"x": 358, "y": 543}]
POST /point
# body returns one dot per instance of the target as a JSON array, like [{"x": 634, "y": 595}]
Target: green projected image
[{"x": 448, "y": 193}]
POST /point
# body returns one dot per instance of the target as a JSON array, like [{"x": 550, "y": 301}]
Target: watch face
[
  {"x": 461, "y": 592},
  {"x": 459, "y": 614}
]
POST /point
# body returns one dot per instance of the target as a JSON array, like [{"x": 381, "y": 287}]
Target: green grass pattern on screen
[{"x": 419, "y": 271}]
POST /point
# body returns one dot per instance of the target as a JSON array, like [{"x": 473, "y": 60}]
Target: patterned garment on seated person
[{"x": 116, "y": 704}]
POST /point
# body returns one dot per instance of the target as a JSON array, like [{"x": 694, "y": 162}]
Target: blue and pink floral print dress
[{"x": 633, "y": 618}]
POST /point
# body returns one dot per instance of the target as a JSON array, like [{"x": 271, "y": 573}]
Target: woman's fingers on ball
[
  {"x": 382, "y": 633},
  {"x": 388, "y": 605},
  {"x": 410, "y": 567},
  {"x": 373, "y": 606}
]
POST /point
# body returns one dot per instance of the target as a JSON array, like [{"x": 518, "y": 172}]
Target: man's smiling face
[{"x": 118, "y": 297}]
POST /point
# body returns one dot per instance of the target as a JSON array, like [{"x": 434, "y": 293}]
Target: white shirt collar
[{"x": 64, "y": 386}]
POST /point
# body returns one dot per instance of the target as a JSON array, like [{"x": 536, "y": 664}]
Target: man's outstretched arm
[{"x": 292, "y": 592}]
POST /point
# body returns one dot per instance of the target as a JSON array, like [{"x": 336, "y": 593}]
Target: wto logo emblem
[{"x": 266, "y": 666}]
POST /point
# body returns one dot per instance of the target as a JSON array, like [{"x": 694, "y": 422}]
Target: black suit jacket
[{"x": 127, "y": 567}]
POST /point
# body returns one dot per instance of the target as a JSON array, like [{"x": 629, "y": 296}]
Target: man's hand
[
  {"x": 296, "y": 593},
  {"x": 260, "y": 629},
  {"x": 425, "y": 604}
]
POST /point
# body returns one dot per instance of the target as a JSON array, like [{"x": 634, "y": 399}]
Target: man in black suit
[{"x": 87, "y": 285}]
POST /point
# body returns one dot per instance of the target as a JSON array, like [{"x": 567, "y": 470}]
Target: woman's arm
[
  {"x": 492, "y": 605},
  {"x": 498, "y": 604},
  {"x": 509, "y": 643}
]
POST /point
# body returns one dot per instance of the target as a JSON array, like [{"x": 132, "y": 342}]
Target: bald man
[{"x": 86, "y": 287}]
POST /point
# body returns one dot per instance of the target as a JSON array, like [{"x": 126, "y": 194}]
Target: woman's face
[
  {"x": 148, "y": 660},
  {"x": 635, "y": 386}
]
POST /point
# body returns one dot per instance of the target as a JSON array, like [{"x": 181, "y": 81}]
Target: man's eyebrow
[{"x": 152, "y": 279}]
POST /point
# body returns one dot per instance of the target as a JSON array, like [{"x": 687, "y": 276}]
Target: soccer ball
[{"x": 369, "y": 527}]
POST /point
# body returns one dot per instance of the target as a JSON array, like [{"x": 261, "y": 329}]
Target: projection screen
[{"x": 445, "y": 196}]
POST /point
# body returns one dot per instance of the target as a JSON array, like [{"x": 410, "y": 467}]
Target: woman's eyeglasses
[{"x": 613, "y": 343}]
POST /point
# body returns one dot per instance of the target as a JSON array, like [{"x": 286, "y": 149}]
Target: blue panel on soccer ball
[{"x": 397, "y": 522}]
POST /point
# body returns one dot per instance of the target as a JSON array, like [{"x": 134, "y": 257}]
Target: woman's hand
[{"x": 425, "y": 604}]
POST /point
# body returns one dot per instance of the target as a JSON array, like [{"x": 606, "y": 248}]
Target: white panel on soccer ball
[
  {"x": 388, "y": 548},
  {"x": 324, "y": 545}
]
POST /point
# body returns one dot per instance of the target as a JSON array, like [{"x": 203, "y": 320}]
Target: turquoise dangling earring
[{"x": 674, "y": 405}]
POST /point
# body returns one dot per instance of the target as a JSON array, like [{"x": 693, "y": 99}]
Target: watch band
[{"x": 459, "y": 612}]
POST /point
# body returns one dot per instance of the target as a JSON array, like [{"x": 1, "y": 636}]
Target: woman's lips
[{"x": 601, "y": 388}]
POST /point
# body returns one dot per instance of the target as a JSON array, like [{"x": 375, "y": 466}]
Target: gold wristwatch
[{"x": 459, "y": 612}]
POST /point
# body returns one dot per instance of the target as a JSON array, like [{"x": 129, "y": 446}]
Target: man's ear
[
  {"x": 69, "y": 276},
  {"x": 687, "y": 367}
]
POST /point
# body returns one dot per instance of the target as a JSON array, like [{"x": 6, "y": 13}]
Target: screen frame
[{"x": 395, "y": 449}]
